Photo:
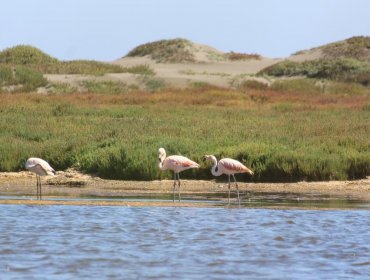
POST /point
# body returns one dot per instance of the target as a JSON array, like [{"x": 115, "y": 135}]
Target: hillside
[
  {"x": 180, "y": 63},
  {"x": 347, "y": 60},
  {"x": 355, "y": 47},
  {"x": 184, "y": 51}
]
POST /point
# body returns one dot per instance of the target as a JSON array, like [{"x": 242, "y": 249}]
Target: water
[{"x": 93, "y": 242}]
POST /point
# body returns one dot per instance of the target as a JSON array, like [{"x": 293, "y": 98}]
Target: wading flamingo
[
  {"x": 229, "y": 167},
  {"x": 41, "y": 168},
  {"x": 177, "y": 164}
]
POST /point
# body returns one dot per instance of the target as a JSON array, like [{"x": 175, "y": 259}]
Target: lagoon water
[{"x": 93, "y": 242}]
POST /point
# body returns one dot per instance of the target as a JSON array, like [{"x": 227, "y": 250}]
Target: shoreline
[{"x": 71, "y": 184}]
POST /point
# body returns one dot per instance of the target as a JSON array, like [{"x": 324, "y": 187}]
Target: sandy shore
[{"x": 72, "y": 184}]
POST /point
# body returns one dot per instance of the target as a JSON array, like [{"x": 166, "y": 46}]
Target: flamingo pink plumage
[
  {"x": 229, "y": 167},
  {"x": 177, "y": 164},
  {"x": 41, "y": 168}
]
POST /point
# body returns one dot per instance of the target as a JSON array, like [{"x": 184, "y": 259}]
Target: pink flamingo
[
  {"x": 41, "y": 168},
  {"x": 229, "y": 167},
  {"x": 177, "y": 164}
]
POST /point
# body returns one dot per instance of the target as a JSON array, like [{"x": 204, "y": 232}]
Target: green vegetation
[
  {"x": 281, "y": 135},
  {"x": 166, "y": 51},
  {"x": 315, "y": 128},
  {"x": 356, "y": 47},
  {"x": 22, "y": 68},
  {"x": 251, "y": 84},
  {"x": 108, "y": 87},
  {"x": 82, "y": 67},
  {"x": 35, "y": 59},
  {"x": 143, "y": 69},
  {"x": 242, "y": 56},
  {"x": 20, "y": 78},
  {"x": 318, "y": 87},
  {"x": 341, "y": 69},
  {"x": 25, "y": 55},
  {"x": 347, "y": 61}
]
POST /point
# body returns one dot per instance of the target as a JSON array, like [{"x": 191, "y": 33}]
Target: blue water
[{"x": 92, "y": 242}]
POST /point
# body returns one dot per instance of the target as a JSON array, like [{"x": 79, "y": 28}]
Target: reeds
[{"x": 288, "y": 137}]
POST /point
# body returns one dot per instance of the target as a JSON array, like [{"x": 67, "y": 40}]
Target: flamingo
[
  {"x": 41, "y": 168},
  {"x": 177, "y": 164},
  {"x": 229, "y": 167}
]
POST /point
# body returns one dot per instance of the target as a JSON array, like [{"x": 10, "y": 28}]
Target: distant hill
[
  {"x": 347, "y": 60},
  {"x": 184, "y": 51},
  {"x": 355, "y": 47},
  {"x": 22, "y": 68},
  {"x": 25, "y": 55},
  {"x": 181, "y": 63}
]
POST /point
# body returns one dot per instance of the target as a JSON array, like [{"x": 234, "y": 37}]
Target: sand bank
[{"x": 73, "y": 184}]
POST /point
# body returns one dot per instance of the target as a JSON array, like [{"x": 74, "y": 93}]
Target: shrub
[
  {"x": 139, "y": 69},
  {"x": 242, "y": 56},
  {"x": 357, "y": 47},
  {"x": 84, "y": 67},
  {"x": 20, "y": 78},
  {"x": 296, "y": 85},
  {"x": 24, "y": 54},
  {"x": 283, "y": 68},
  {"x": 166, "y": 51},
  {"x": 252, "y": 84},
  {"x": 36, "y": 59},
  {"x": 341, "y": 69},
  {"x": 105, "y": 86}
]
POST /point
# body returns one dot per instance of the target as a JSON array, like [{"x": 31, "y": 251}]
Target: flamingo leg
[
  {"x": 40, "y": 187},
  {"x": 37, "y": 186},
  {"x": 229, "y": 189},
  {"x": 178, "y": 176},
  {"x": 237, "y": 189},
  {"x": 174, "y": 185}
]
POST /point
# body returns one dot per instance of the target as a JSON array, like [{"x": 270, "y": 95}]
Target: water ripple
[{"x": 70, "y": 242}]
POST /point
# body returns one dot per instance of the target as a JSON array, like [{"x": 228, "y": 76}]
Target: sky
[{"x": 108, "y": 29}]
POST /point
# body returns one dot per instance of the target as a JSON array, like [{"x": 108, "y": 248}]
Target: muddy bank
[{"x": 71, "y": 183}]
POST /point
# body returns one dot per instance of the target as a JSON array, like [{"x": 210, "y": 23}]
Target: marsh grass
[
  {"x": 288, "y": 137},
  {"x": 107, "y": 87}
]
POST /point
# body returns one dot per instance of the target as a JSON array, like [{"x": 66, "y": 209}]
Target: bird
[
  {"x": 229, "y": 167},
  {"x": 176, "y": 164},
  {"x": 41, "y": 168}
]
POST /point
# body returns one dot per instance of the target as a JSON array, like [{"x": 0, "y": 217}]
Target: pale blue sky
[{"x": 108, "y": 29}]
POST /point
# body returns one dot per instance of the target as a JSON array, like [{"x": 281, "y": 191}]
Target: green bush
[
  {"x": 242, "y": 56},
  {"x": 109, "y": 87},
  {"x": 296, "y": 85},
  {"x": 252, "y": 84},
  {"x": 25, "y": 55},
  {"x": 341, "y": 69},
  {"x": 139, "y": 69},
  {"x": 20, "y": 79},
  {"x": 84, "y": 67},
  {"x": 166, "y": 51},
  {"x": 36, "y": 59},
  {"x": 357, "y": 47}
]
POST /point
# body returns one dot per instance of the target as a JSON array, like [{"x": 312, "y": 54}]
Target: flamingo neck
[
  {"x": 160, "y": 165},
  {"x": 215, "y": 170}
]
